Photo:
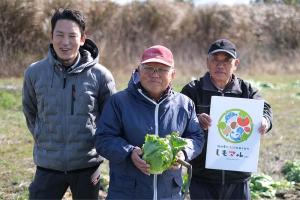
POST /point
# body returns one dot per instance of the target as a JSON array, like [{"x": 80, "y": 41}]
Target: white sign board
[{"x": 233, "y": 137}]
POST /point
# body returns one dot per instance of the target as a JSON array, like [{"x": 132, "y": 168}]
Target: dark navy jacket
[{"x": 129, "y": 116}]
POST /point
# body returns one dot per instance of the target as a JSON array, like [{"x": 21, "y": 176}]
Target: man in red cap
[
  {"x": 148, "y": 105},
  {"x": 220, "y": 80}
]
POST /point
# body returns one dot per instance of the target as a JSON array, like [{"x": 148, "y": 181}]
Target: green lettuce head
[{"x": 160, "y": 153}]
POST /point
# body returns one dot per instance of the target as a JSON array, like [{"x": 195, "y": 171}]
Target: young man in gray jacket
[{"x": 63, "y": 95}]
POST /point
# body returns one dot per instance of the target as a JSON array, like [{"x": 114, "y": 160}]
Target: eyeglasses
[
  {"x": 151, "y": 70},
  {"x": 225, "y": 62}
]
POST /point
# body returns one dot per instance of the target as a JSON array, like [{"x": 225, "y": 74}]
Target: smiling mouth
[
  {"x": 65, "y": 50},
  {"x": 155, "y": 81}
]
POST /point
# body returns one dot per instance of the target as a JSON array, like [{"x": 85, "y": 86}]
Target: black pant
[
  {"x": 52, "y": 184},
  {"x": 202, "y": 190}
]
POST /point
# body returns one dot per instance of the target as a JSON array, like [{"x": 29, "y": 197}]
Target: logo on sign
[{"x": 235, "y": 125}]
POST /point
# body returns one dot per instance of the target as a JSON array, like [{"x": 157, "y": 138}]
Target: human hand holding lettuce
[
  {"x": 159, "y": 154},
  {"x": 138, "y": 162}
]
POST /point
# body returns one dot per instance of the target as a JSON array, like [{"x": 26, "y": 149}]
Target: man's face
[
  {"x": 66, "y": 40},
  {"x": 155, "y": 78},
  {"x": 221, "y": 66}
]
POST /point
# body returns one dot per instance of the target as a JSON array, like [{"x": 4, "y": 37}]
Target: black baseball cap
[{"x": 223, "y": 45}]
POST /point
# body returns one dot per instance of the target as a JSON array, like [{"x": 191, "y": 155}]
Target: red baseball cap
[{"x": 158, "y": 54}]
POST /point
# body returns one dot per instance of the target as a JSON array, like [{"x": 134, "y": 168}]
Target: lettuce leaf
[{"x": 160, "y": 153}]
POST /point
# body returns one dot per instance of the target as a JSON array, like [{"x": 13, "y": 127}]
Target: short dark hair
[{"x": 70, "y": 14}]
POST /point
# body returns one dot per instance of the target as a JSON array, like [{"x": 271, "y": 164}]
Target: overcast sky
[{"x": 199, "y": 2}]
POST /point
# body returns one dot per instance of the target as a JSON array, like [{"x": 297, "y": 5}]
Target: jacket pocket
[
  {"x": 86, "y": 102},
  {"x": 177, "y": 185},
  {"x": 37, "y": 129},
  {"x": 52, "y": 104},
  {"x": 121, "y": 187},
  {"x": 125, "y": 182},
  {"x": 170, "y": 185}
]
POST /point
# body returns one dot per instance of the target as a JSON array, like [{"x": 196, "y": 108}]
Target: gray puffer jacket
[{"x": 61, "y": 107}]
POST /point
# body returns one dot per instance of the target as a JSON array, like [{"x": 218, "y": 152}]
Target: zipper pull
[
  {"x": 64, "y": 84},
  {"x": 73, "y": 92},
  {"x": 73, "y": 99}
]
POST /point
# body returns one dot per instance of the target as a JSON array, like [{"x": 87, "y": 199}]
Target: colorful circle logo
[{"x": 235, "y": 125}]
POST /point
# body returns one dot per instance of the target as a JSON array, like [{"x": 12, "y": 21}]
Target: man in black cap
[{"x": 220, "y": 80}]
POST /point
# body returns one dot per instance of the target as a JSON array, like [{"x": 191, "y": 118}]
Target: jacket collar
[{"x": 232, "y": 87}]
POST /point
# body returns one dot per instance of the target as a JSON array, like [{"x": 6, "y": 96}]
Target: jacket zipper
[
  {"x": 223, "y": 177},
  {"x": 73, "y": 94},
  {"x": 156, "y": 133},
  {"x": 65, "y": 121}
]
